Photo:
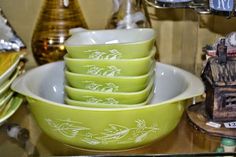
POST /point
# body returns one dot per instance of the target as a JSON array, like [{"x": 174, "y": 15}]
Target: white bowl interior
[
  {"x": 111, "y": 37},
  {"x": 48, "y": 82}
]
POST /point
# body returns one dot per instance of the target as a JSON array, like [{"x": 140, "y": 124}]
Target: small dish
[
  {"x": 10, "y": 108},
  {"x": 6, "y": 85},
  {"x": 111, "y": 68},
  {"x": 108, "y": 84},
  {"x": 6, "y": 97},
  {"x": 111, "y": 98},
  {"x": 71, "y": 102},
  {"x": 111, "y": 44},
  {"x": 8, "y": 64}
]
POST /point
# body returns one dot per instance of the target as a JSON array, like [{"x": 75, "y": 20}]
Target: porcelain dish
[
  {"x": 11, "y": 66},
  {"x": 6, "y": 97},
  {"x": 111, "y": 68},
  {"x": 131, "y": 98},
  {"x": 111, "y": 84},
  {"x": 105, "y": 105},
  {"x": 7, "y": 83},
  {"x": 111, "y": 44},
  {"x": 8, "y": 65},
  {"x": 106, "y": 128},
  {"x": 10, "y": 107}
]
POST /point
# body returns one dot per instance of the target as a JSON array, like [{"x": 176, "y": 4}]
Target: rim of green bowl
[
  {"x": 152, "y": 53},
  {"x": 153, "y": 31},
  {"x": 183, "y": 96}
]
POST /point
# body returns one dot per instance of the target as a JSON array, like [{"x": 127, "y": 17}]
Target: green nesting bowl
[
  {"x": 102, "y": 128},
  {"x": 11, "y": 61},
  {"x": 111, "y": 68},
  {"x": 105, "y": 105},
  {"x": 108, "y": 84},
  {"x": 109, "y": 97},
  {"x": 111, "y": 44}
]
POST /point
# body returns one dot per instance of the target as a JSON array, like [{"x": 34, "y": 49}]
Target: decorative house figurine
[
  {"x": 219, "y": 77},
  {"x": 230, "y": 42}
]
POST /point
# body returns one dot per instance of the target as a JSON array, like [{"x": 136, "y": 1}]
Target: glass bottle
[
  {"x": 130, "y": 14},
  {"x": 52, "y": 29}
]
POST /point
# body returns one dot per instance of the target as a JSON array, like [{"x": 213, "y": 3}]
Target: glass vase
[
  {"x": 52, "y": 29},
  {"x": 129, "y": 14}
]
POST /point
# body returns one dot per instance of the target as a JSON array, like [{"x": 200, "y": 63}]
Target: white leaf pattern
[
  {"x": 114, "y": 133},
  {"x": 67, "y": 128},
  {"x": 108, "y": 71},
  {"x": 97, "y": 55},
  {"x": 94, "y": 100},
  {"x": 106, "y": 87}
]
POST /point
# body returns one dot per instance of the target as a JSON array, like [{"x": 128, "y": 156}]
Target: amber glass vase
[{"x": 52, "y": 29}]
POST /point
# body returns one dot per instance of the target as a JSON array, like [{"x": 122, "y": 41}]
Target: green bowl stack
[
  {"x": 11, "y": 67},
  {"x": 110, "y": 68}
]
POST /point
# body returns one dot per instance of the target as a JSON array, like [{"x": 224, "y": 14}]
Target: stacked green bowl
[
  {"x": 107, "y": 129},
  {"x": 110, "y": 68},
  {"x": 11, "y": 67}
]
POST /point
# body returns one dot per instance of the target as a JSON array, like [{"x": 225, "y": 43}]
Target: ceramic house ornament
[{"x": 219, "y": 76}]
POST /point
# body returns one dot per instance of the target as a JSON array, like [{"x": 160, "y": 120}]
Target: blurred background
[{"x": 181, "y": 33}]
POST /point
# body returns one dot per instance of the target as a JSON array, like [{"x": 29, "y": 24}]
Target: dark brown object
[
  {"x": 198, "y": 118},
  {"x": 219, "y": 76}
]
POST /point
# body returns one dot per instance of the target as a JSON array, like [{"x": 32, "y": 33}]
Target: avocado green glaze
[
  {"x": 112, "y": 84},
  {"x": 106, "y": 105},
  {"x": 106, "y": 129},
  {"x": 14, "y": 104},
  {"x": 111, "y": 68},
  {"x": 109, "y": 97},
  {"x": 111, "y": 44},
  {"x": 125, "y": 51}
]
